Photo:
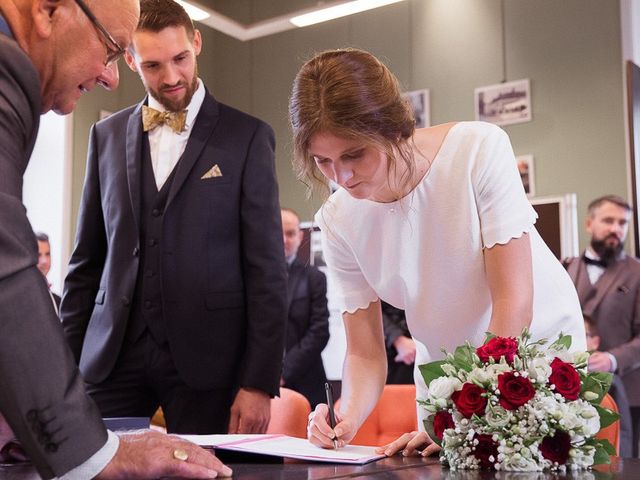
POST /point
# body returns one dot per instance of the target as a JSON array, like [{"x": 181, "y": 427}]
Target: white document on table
[{"x": 288, "y": 447}]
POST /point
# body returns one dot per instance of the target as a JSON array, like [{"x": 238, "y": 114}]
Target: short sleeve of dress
[
  {"x": 503, "y": 207},
  {"x": 349, "y": 289}
]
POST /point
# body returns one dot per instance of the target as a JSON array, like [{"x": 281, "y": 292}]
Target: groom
[{"x": 176, "y": 292}]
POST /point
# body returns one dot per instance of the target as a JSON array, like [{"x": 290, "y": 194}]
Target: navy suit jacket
[{"x": 222, "y": 270}]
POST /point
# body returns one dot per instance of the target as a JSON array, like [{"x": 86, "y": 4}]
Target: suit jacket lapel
[
  {"x": 578, "y": 272},
  {"x": 202, "y": 131},
  {"x": 133, "y": 153},
  {"x": 603, "y": 285}
]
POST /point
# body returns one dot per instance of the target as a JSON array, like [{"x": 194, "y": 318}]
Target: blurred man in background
[
  {"x": 44, "y": 263},
  {"x": 608, "y": 285},
  {"x": 308, "y": 324}
]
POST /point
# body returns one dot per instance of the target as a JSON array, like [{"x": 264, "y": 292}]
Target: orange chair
[
  {"x": 395, "y": 414},
  {"x": 612, "y": 432},
  {"x": 289, "y": 414}
]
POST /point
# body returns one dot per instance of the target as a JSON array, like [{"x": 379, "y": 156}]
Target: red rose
[
  {"x": 469, "y": 400},
  {"x": 441, "y": 421},
  {"x": 556, "y": 448},
  {"x": 486, "y": 451},
  {"x": 515, "y": 391},
  {"x": 566, "y": 379},
  {"x": 498, "y": 347}
]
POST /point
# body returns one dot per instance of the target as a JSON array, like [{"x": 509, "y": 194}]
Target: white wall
[
  {"x": 630, "y": 32},
  {"x": 47, "y": 190}
]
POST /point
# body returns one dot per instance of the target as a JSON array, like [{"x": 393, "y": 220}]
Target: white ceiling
[{"x": 262, "y": 28}]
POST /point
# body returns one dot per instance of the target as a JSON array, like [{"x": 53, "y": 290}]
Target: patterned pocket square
[{"x": 212, "y": 172}]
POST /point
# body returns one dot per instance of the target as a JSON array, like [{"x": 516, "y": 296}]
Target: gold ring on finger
[{"x": 180, "y": 454}]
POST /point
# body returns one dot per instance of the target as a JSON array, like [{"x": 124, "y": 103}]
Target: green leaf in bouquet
[
  {"x": 603, "y": 449},
  {"x": 604, "y": 378},
  {"x": 606, "y": 444},
  {"x": 488, "y": 336},
  {"x": 463, "y": 357},
  {"x": 428, "y": 427},
  {"x": 563, "y": 341},
  {"x": 601, "y": 457},
  {"x": 432, "y": 370},
  {"x": 591, "y": 384},
  {"x": 607, "y": 417},
  {"x": 596, "y": 382}
]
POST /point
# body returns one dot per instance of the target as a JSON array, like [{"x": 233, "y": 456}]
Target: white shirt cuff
[
  {"x": 614, "y": 362},
  {"x": 96, "y": 463}
]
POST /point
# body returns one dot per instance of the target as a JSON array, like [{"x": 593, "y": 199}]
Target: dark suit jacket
[
  {"x": 222, "y": 270},
  {"x": 614, "y": 305},
  {"x": 394, "y": 324},
  {"x": 41, "y": 392},
  {"x": 307, "y": 332}
]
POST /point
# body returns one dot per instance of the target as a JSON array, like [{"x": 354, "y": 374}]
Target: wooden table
[{"x": 389, "y": 468}]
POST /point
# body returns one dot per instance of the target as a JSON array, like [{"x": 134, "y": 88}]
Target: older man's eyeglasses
[{"x": 114, "y": 50}]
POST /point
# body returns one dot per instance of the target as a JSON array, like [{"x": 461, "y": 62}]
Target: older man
[{"x": 51, "y": 51}]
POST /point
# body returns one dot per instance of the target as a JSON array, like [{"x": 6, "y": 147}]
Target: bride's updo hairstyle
[{"x": 348, "y": 93}]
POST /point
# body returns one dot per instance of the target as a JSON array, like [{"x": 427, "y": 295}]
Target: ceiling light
[
  {"x": 194, "y": 12},
  {"x": 337, "y": 11}
]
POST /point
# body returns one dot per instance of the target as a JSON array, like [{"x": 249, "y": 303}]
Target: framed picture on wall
[
  {"x": 558, "y": 223},
  {"x": 504, "y": 103},
  {"x": 525, "y": 167},
  {"x": 419, "y": 100}
]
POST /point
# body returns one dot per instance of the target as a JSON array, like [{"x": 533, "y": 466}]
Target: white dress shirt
[
  {"x": 96, "y": 463},
  {"x": 165, "y": 145},
  {"x": 593, "y": 271}
]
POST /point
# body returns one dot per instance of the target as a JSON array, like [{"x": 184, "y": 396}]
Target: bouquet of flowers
[{"x": 513, "y": 405}]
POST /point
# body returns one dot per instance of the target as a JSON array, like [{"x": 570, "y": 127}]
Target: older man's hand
[{"x": 152, "y": 454}]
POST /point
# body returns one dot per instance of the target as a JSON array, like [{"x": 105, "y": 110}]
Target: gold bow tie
[{"x": 151, "y": 118}]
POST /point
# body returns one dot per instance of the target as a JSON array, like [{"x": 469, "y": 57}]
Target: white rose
[
  {"x": 539, "y": 370},
  {"x": 589, "y": 416},
  {"x": 570, "y": 419},
  {"x": 562, "y": 354},
  {"x": 496, "y": 369},
  {"x": 443, "y": 387},
  {"x": 549, "y": 405},
  {"x": 518, "y": 463},
  {"x": 582, "y": 457},
  {"x": 497, "y": 417},
  {"x": 580, "y": 357},
  {"x": 479, "y": 376}
]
